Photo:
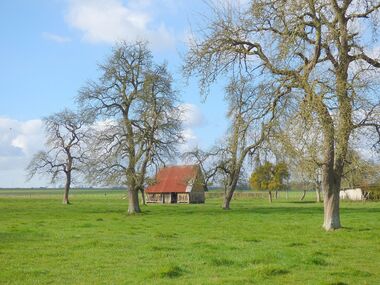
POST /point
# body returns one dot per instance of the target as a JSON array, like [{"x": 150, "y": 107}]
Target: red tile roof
[{"x": 173, "y": 179}]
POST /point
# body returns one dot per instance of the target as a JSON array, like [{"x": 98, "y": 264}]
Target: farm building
[
  {"x": 177, "y": 184},
  {"x": 351, "y": 194},
  {"x": 368, "y": 192}
]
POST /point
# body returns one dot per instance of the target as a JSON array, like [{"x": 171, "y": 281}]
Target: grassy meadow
[{"x": 93, "y": 241}]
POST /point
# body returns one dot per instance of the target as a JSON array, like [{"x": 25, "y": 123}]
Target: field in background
[{"x": 93, "y": 241}]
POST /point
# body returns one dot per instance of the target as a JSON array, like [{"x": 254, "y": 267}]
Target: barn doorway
[{"x": 174, "y": 198}]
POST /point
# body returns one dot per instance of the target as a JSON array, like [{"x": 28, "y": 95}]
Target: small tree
[
  {"x": 65, "y": 139},
  {"x": 261, "y": 178},
  {"x": 269, "y": 177},
  {"x": 280, "y": 176}
]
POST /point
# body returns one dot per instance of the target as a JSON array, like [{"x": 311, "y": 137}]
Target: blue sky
[{"x": 51, "y": 47}]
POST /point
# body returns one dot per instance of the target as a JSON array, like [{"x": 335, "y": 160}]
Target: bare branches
[
  {"x": 142, "y": 125},
  {"x": 366, "y": 58},
  {"x": 66, "y": 134},
  {"x": 366, "y": 13}
]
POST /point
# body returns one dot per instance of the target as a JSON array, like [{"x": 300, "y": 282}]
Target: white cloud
[
  {"x": 19, "y": 140},
  {"x": 111, "y": 20},
  {"x": 190, "y": 140},
  {"x": 192, "y": 118},
  {"x": 102, "y": 125},
  {"x": 56, "y": 38},
  {"x": 191, "y": 115},
  {"x": 26, "y": 136},
  {"x": 230, "y": 3}
]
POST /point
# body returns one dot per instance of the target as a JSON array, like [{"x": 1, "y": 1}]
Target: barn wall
[
  {"x": 154, "y": 198},
  {"x": 167, "y": 198},
  {"x": 183, "y": 198}
]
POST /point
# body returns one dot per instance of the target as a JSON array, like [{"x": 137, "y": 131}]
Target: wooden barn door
[{"x": 174, "y": 198}]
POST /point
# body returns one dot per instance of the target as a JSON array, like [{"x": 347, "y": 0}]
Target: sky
[{"x": 50, "y": 48}]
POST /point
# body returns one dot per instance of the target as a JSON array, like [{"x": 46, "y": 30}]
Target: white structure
[{"x": 351, "y": 194}]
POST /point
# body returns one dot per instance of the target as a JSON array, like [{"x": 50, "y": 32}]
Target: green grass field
[{"x": 93, "y": 241}]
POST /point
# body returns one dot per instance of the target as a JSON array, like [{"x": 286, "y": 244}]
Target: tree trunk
[
  {"x": 276, "y": 194},
  {"x": 67, "y": 189},
  {"x": 331, "y": 188},
  {"x": 270, "y": 196},
  {"x": 227, "y": 198},
  {"x": 318, "y": 194},
  {"x": 133, "y": 202},
  {"x": 331, "y": 211},
  {"x": 143, "y": 196},
  {"x": 303, "y": 195}
]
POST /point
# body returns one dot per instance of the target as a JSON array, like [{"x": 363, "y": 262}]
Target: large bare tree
[
  {"x": 320, "y": 50},
  {"x": 138, "y": 122},
  {"x": 66, "y": 134}
]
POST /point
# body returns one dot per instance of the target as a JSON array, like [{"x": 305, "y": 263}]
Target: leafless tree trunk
[
  {"x": 318, "y": 194},
  {"x": 133, "y": 202},
  {"x": 227, "y": 199},
  {"x": 303, "y": 195},
  {"x": 331, "y": 219},
  {"x": 142, "y": 191},
  {"x": 270, "y": 196},
  {"x": 67, "y": 189}
]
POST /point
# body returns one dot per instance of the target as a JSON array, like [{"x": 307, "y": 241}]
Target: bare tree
[
  {"x": 207, "y": 161},
  {"x": 66, "y": 138},
  {"x": 312, "y": 48},
  {"x": 251, "y": 118},
  {"x": 299, "y": 142},
  {"x": 359, "y": 172},
  {"x": 139, "y": 125}
]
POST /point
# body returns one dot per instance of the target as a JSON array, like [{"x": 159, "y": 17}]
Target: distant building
[
  {"x": 356, "y": 194},
  {"x": 177, "y": 184}
]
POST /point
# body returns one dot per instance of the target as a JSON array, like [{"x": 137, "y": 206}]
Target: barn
[
  {"x": 177, "y": 184},
  {"x": 356, "y": 194}
]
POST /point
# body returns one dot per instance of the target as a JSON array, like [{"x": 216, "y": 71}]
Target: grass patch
[
  {"x": 94, "y": 241},
  {"x": 296, "y": 244},
  {"x": 166, "y": 235},
  {"x": 221, "y": 262},
  {"x": 270, "y": 271},
  {"x": 171, "y": 272},
  {"x": 318, "y": 261}
]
